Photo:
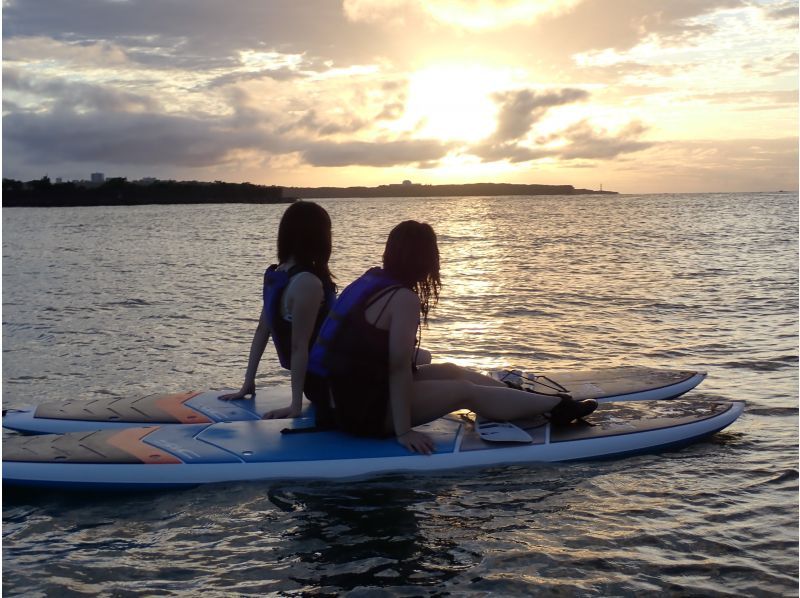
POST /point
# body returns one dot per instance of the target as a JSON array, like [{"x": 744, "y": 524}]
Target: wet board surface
[
  {"x": 169, "y": 456},
  {"x": 195, "y": 407},
  {"x": 613, "y": 384}
]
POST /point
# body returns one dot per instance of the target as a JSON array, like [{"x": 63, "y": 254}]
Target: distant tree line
[
  {"x": 120, "y": 192},
  {"x": 469, "y": 189}
]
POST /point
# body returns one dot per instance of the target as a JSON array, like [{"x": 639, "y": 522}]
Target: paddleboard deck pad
[
  {"x": 157, "y": 457},
  {"x": 629, "y": 383},
  {"x": 205, "y": 407}
]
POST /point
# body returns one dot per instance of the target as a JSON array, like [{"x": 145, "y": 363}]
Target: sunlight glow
[
  {"x": 488, "y": 14},
  {"x": 453, "y": 102},
  {"x": 472, "y": 15}
]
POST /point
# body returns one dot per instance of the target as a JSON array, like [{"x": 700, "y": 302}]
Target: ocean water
[{"x": 121, "y": 301}]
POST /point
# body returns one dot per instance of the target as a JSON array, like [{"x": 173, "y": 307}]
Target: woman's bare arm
[
  {"x": 403, "y": 311},
  {"x": 260, "y": 339},
  {"x": 304, "y": 300}
]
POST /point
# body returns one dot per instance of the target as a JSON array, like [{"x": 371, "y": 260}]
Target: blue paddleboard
[{"x": 169, "y": 456}]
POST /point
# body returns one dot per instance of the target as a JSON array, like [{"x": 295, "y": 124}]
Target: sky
[{"x": 636, "y": 96}]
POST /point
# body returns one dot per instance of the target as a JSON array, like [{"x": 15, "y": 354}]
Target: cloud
[
  {"x": 200, "y": 35},
  {"x": 751, "y": 100},
  {"x": 207, "y": 35},
  {"x": 102, "y": 54},
  {"x": 510, "y": 152},
  {"x": 344, "y": 106},
  {"x": 313, "y": 123},
  {"x": 125, "y": 138},
  {"x": 585, "y": 142},
  {"x": 200, "y": 85},
  {"x": 520, "y": 110},
  {"x": 786, "y": 11},
  {"x": 712, "y": 165},
  {"x": 579, "y": 141},
  {"x": 596, "y": 25},
  {"x": 380, "y": 153},
  {"x": 76, "y": 94},
  {"x": 193, "y": 140},
  {"x": 770, "y": 66},
  {"x": 278, "y": 74}
]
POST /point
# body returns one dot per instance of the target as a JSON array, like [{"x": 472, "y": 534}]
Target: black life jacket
[
  {"x": 327, "y": 356},
  {"x": 275, "y": 283}
]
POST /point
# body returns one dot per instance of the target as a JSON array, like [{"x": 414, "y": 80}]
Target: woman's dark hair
[
  {"x": 305, "y": 235},
  {"x": 412, "y": 257}
]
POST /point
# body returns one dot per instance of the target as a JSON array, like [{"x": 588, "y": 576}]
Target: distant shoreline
[
  {"x": 414, "y": 190},
  {"x": 120, "y": 192}
]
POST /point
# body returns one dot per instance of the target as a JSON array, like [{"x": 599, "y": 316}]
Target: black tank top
[{"x": 366, "y": 346}]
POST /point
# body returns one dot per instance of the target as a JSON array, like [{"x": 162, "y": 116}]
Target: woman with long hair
[
  {"x": 366, "y": 349},
  {"x": 298, "y": 293}
]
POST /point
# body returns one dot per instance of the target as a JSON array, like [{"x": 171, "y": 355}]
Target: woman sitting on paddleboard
[
  {"x": 298, "y": 293},
  {"x": 366, "y": 347}
]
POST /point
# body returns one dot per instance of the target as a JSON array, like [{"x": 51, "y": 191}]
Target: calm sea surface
[{"x": 120, "y": 301}]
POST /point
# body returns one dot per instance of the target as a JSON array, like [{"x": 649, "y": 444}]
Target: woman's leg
[
  {"x": 434, "y": 398},
  {"x": 451, "y": 371}
]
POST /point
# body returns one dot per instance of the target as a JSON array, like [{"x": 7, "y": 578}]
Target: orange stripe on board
[
  {"x": 130, "y": 441},
  {"x": 174, "y": 405}
]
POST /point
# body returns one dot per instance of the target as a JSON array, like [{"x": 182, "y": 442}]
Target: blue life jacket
[
  {"x": 324, "y": 358},
  {"x": 275, "y": 283}
]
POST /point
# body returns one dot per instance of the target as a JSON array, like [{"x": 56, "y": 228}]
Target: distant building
[
  {"x": 58, "y": 180},
  {"x": 147, "y": 180},
  {"x": 407, "y": 182},
  {"x": 98, "y": 178}
]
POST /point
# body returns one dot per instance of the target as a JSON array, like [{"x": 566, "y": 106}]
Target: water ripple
[{"x": 686, "y": 282}]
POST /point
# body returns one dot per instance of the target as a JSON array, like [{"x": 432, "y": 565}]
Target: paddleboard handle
[{"x": 542, "y": 380}]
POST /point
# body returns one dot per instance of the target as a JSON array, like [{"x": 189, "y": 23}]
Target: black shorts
[{"x": 361, "y": 404}]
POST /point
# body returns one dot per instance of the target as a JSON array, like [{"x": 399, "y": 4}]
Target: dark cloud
[
  {"x": 580, "y": 142},
  {"x": 622, "y": 24},
  {"x": 62, "y": 135},
  {"x": 313, "y": 123},
  {"x": 209, "y": 34},
  {"x": 521, "y": 109},
  {"x": 509, "y": 151},
  {"x": 124, "y": 138},
  {"x": 201, "y": 41},
  {"x": 77, "y": 95},
  {"x": 585, "y": 142},
  {"x": 782, "y": 12},
  {"x": 200, "y": 34},
  {"x": 552, "y": 41},
  {"x": 340, "y": 123},
  {"x": 383, "y": 154}
]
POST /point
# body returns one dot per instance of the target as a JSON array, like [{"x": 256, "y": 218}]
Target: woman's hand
[
  {"x": 417, "y": 442},
  {"x": 248, "y": 388},
  {"x": 282, "y": 413}
]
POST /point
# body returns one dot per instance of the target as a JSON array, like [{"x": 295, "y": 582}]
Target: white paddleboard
[{"x": 205, "y": 407}]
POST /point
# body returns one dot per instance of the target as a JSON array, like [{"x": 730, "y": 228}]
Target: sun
[{"x": 454, "y": 102}]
